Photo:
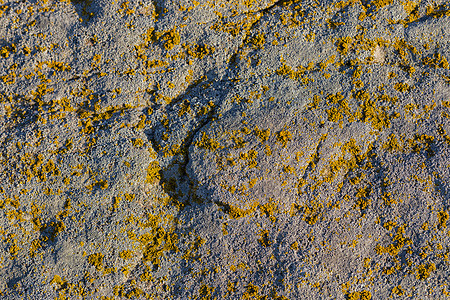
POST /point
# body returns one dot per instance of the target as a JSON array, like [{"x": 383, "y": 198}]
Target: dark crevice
[
  {"x": 169, "y": 185},
  {"x": 315, "y": 159}
]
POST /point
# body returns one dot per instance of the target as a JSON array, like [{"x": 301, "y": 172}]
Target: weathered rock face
[{"x": 224, "y": 149}]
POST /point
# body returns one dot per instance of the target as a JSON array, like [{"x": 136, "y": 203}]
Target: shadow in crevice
[{"x": 87, "y": 10}]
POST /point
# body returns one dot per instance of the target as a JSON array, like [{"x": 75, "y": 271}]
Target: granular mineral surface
[{"x": 224, "y": 149}]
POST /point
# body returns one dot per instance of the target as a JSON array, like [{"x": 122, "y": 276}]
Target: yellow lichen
[
  {"x": 283, "y": 137},
  {"x": 208, "y": 143},
  {"x": 424, "y": 271},
  {"x": 443, "y": 217},
  {"x": 264, "y": 238},
  {"x": 363, "y": 295},
  {"x": 96, "y": 259},
  {"x": 153, "y": 172}
]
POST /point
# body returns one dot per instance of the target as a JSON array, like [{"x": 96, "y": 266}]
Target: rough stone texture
[{"x": 224, "y": 149}]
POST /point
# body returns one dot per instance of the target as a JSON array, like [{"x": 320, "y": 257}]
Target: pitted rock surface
[{"x": 224, "y": 149}]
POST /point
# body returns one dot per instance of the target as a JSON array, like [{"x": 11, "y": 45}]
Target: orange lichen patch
[
  {"x": 311, "y": 212},
  {"x": 344, "y": 45},
  {"x": 194, "y": 247},
  {"x": 35, "y": 245},
  {"x": 185, "y": 107},
  {"x": 418, "y": 112},
  {"x": 270, "y": 209},
  {"x": 397, "y": 290},
  {"x": 324, "y": 64},
  {"x": 239, "y": 142},
  {"x": 96, "y": 259},
  {"x": 126, "y": 254},
  {"x": 363, "y": 295},
  {"x": 6, "y": 50},
  {"x": 263, "y": 135},
  {"x": 288, "y": 169},
  {"x": 171, "y": 38},
  {"x": 336, "y": 114},
  {"x": 251, "y": 292},
  {"x": 205, "y": 292},
  {"x": 55, "y": 65},
  {"x": 138, "y": 143},
  {"x": 103, "y": 184},
  {"x": 264, "y": 238},
  {"x": 198, "y": 51},
  {"x": 236, "y": 212},
  {"x": 235, "y": 28},
  {"x": 435, "y": 11},
  {"x": 160, "y": 238},
  {"x": 283, "y": 137},
  {"x": 35, "y": 167},
  {"x": 250, "y": 158},
  {"x": 314, "y": 104},
  {"x": 153, "y": 172},
  {"x": 294, "y": 246},
  {"x": 443, "y": 134},
  {"x": 286, "y": 70},
  {"x": 267, "y": 150},
  {"x": 399, "y": 241},
  {"x": 208, "y": 143},
  {"x": 446, "y": 79},
  {"x": 388, "y": 199},
  {"x": 157, "y": 242},
  {"x": 362, "y": 198},
  {"x": 369, "y": 112},
  {"x": 424, "y": 271},
  {"x": 346, "y": 164},
  {"x": 436, "y": 61},
  {"x": 392, "y": 144},
  {"x": 402, "y": 87},
  {"x": 389, "y": 225},
  {"x": 258, "y": 41},
  {"x": 65, "y": 288},
  {"x": 360, "y": 42},
  {"x": 412, "y": 11},
  {"x": 421, "y": 142},
  {"x": 400, "y": 45},
  {"x": 381, "y": 3},
  {"x": 443, "y": 217},
  {"x": 294, "y": 18}
]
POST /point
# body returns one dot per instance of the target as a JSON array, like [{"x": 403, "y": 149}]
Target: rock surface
[{"x": 224, "y": 149}]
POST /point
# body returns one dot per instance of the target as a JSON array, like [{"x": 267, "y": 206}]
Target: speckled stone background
[{"x": 224, "y": 149}]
